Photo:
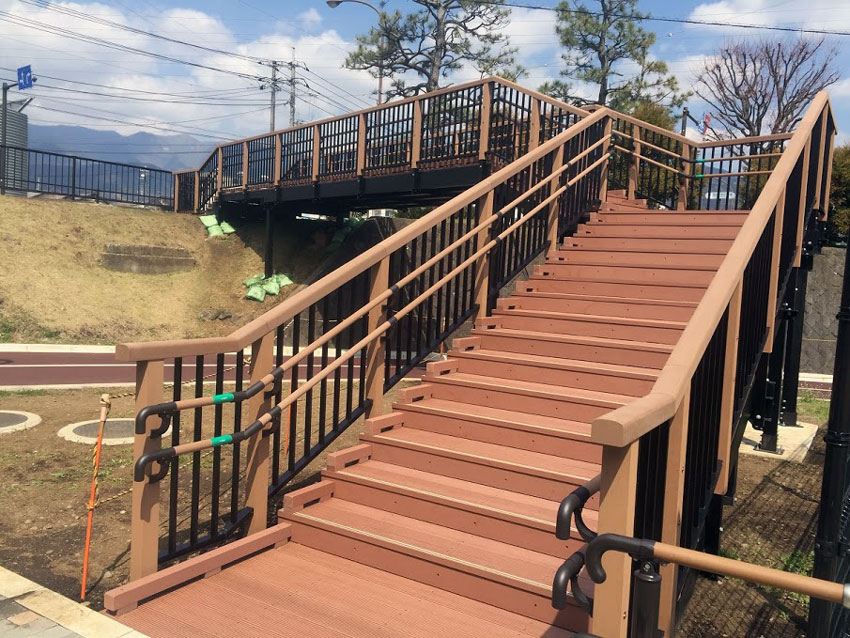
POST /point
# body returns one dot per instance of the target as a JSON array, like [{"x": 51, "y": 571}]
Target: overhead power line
[{"x": 652, "y": 18}]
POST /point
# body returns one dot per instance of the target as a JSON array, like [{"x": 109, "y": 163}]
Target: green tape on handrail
[
  {"x": 222, "y": 398},
  {"x": 221, "y": 440},
  {"x": 701, "y": 161},
  {"x": 700, "y": 175}
]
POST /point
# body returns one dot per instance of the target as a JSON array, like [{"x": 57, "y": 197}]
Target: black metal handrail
[{"x": 34, "y": 171}]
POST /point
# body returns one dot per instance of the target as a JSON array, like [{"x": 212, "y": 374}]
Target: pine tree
[
  {"x": 605, "y": 47},
  {"x": 423, "y": 47}
]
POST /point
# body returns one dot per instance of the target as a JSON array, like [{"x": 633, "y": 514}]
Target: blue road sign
[{"x": 24, "y": 78}]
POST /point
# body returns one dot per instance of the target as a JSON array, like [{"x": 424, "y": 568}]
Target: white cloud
[{"x": 812, "y": 14}]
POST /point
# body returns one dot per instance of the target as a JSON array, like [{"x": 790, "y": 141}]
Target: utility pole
[
  {"x": 292, "y": 78},
  {"x": 274, "y": 90},
  {"x": 6, "y": 86}
]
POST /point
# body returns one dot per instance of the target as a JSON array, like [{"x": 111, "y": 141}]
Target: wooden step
[
  {"x": 632, "y": 244},
  {"x": 625, "y": 274},
  {"x": 643, "y": 218},
  {"x": 622, "y": 290},
  {"x": 672, "y": 231},
  {"x": 597, "y": 305},
  {"x": 569, "y": 373},
  {"x": 500, "y": 515},
  {"x": 534, "y": 432},
  {"x": 616, "y": 351},
  {"x": 542, "y": 475},
  {"x": 653, "y": 259},
  {"x": 296, "y": 591},
  {"x": 508, "y": 577},
  {"x": 575, "y": 404},
  {"x": 632, "y": 329}
]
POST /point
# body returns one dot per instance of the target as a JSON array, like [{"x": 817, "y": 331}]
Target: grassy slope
[{"x": 52, "y": 288}]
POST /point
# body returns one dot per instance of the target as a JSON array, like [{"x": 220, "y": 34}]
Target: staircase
[{"x": 457, "y": 488}]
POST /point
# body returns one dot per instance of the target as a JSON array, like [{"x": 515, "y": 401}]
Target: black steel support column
[
  {"x": 269, "y": 252},
  {"x": 794, "y": 345},
  {"x": 773, "y": 389},
  {"x": 646, "y": 598},
  {"x": 836, "y": 473}
]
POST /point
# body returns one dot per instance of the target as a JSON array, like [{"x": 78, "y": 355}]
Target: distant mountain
[{"x": 168, "y": 152}]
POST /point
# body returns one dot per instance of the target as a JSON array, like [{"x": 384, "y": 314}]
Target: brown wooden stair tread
[
  {"x": 519, "y": 567},
  {"x": 635, "y": 372},
  {"x": 490, "y": 454},
  {"x": 540, "y": 423},
  {"x": 534, "y": 511},
  {"x": 533, "y": 388}
]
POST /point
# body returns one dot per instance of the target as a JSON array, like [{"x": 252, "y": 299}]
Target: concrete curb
[
  {"x": 32, "y": 421},
  {"x": 55, "y": 347},
  {"x": 60, "y": 610}
]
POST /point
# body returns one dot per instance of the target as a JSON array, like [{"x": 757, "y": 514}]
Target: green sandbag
[
  {"x": 256, "y": 293},
  {"x": 253, "y": 281},
  {"x": 208, "y": 220},
  {"x": 215, "y": 231},
  {"x": 226, "y": 228},
  {"x": 271, "y": 286},
  {"x": 282, "y": 280}
]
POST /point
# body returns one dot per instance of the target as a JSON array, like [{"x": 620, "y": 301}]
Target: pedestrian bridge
[{"x": 611, "y": 323}]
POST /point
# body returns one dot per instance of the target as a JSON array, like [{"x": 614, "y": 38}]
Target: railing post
[
  {"x": 379, "y": 282},
  {"x": 257, "y": 457},
  {"x": 244, "y": 164},
  {"x": 687, "y": 170},
  {"x": 219, "y": 177},
  {"x": 634, "y": 165},
  {"x": 196, "y": 197},
  {"x": 144, "y": 531},
  {"x": 73, "y": 178},
  {"x": 486, "y": 109},
  {"x": 482, "y": 267},
  {"x": 552, "y": 219},
  {"x": 671, "y": 526},
  {"x": 617, "y": 516},
  {"x": 824, "y": 118},
  {"x": 773, "y": 286},
  {"x": 606, "y": 151},
  {"x": 278, "y": 152},
  {"x": 828, "y": 161},
  {"x": 416, "y": 139},
  {"x": 801, "y": 214},
  {"x": 176, "y": 178},
  {"x": 316, "y": 150},
  {"x": 794, "y": 335},
  {"x": 727, "y": 400},
  {"x": 534, "y": 125},
  {"x": 361, "y": 144}
]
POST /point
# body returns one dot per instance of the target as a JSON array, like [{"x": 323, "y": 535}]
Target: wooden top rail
[
  {"x": 246, "y": 335},
  {"x": 627, "y": 424}
]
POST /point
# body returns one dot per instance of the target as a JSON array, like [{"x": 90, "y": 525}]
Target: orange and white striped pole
[{"x": 105, "y": 404}]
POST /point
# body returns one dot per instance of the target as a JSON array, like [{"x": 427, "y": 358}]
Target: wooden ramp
[{"x": 441, "y": 521}]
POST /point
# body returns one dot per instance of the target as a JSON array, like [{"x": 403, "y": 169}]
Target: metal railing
[
  {"x": 32, "y": 171},
  {"x": 674, "y": 172},
  {"x": 490, "y": 120},
  {"x": 666, "y": 456},
  {"x": 328, "y": 354}
]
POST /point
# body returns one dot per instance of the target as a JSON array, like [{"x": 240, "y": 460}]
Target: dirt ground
[
  {"x": 53, "y": 288},
  {"x": 772, "y": 523},
  {"x": 47, "y": 480}
]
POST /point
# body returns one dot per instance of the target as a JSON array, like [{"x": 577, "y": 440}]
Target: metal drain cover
[
  {"x": 118, "y": 431},
  {"x": 15, "y": 421}
]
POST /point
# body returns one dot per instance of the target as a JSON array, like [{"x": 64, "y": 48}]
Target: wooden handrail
[
  {"x": 627, "y": 424},
  {"x": 244, "y": 336}
]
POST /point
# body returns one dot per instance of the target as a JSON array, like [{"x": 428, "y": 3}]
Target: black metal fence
[{"x": 30, "y": 171}]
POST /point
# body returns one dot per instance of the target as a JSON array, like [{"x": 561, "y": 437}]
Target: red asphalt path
[{"x": 25, "y": 369}]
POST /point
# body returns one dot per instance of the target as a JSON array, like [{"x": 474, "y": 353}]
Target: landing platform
[{"x": 297, "y": 592}]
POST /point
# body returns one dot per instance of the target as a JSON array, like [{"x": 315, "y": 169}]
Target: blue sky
[{"x": 216, "y": 105}]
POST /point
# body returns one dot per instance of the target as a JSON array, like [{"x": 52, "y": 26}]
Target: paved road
[{"x": 37, "y": 369}]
